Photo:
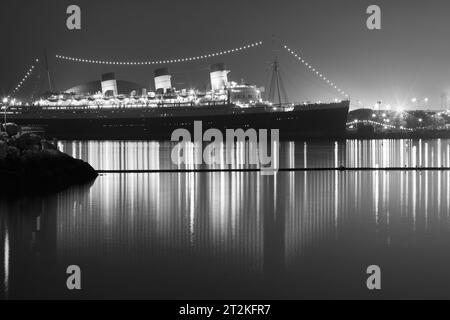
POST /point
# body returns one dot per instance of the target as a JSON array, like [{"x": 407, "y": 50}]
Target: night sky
[{"x": 409, "y": 57}]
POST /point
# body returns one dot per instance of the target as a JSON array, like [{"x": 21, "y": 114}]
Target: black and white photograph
[{"x": 224, "y": 156}]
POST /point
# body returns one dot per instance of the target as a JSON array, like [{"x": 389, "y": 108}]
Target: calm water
[{"x": 239, "y": 234}]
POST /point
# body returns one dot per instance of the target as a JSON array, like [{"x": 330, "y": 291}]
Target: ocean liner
[{"x": 142, "y": 114}]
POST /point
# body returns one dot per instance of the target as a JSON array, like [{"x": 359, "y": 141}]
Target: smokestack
[
  {"x": 219, "y": 76},
  {"x": 162, "y": 80},
  {"x": 109, "y": 84}
]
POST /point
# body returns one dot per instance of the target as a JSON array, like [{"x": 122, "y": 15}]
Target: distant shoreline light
[{"x": 166, "y": 61}]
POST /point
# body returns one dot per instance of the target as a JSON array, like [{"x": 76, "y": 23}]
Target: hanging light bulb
[
  {"x": 175, "y": 60},
  {"x": 315, "y": 70}
]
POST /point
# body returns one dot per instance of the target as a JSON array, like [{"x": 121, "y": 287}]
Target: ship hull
[{"x": 310, "y": 121}]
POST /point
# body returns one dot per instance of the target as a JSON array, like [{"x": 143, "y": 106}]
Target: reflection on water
[
  {"x": 6, "y": 263},
  {"x": 236, "y": 234},
  {"x": 141, "y": 155}
]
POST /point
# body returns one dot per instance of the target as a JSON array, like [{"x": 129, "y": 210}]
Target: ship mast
[
  {"x": 48, "y": 71},
  {"x": 277, "y": 92}
]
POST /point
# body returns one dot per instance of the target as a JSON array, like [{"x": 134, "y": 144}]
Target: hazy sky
[{"x": 409, "y": 57}]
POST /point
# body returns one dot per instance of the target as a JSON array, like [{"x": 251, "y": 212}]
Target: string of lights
[
  {"x": 25, "y": 77},
  {"x": 379, "y": 124},
  {"x": 316, "y": 71},
  {"x": 166, "y": 61}
]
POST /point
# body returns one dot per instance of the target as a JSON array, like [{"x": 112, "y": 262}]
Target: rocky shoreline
[{"x": 31, "y": 165}]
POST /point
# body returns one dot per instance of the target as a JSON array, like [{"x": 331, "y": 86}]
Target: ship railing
[
  {"x": 112, "y": 106},
  {"x": 193, "y": 104}
]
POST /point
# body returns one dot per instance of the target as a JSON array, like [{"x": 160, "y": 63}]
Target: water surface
[{"x": 237, "y": 234}]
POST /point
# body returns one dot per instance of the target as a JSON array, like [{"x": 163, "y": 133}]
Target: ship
[{"x": 111, "y": 114}]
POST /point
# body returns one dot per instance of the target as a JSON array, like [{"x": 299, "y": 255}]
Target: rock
[
  {"x": 3, "y": 150},
  {"x": 30, "y": 165},
  {"x": 28, "y": 141},
  {"x": 11, "y": 129},
  {"x": 4, "y": 136},
  {"x": 36, "y": 172},
  {"x": 12, "y": 152},
  {"x": 55, "y": 143},
  {"x": 45, "y": 145}
]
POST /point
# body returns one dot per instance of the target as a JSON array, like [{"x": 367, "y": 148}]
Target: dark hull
[{"x": 313, "y": 121}]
